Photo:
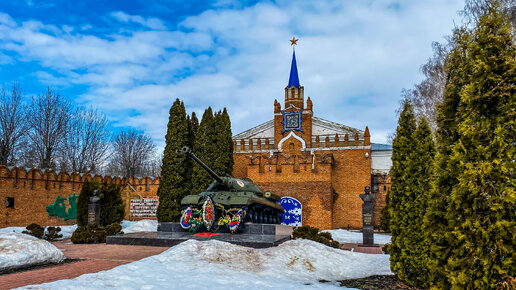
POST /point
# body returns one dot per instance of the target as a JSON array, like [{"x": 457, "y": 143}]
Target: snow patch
[
  {"x": 17, "y": 250},
  {"x": 139, "y": 226},
  {"x": 218, "y": 265},
  {"x": 66, "y": 231},
  {"x": 343, "y": 236}
]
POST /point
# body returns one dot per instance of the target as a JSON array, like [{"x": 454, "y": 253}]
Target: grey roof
[
  {"x": 262, "y": 127},
  {"x": 333, "y": 126},
  {"x": 381, "y": 147}
]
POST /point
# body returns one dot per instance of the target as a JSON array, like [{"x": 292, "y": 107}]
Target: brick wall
[
  {"x": 327, "y": 183},
  {"x": 34, "y": 189}
]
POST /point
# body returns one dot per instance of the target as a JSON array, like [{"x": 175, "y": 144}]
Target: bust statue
[{"x": 95, "y": 197}]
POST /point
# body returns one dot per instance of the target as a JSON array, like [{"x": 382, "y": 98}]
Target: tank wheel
[
  {"x": 260, "y": 217},
  {"x": 255, "y": 216},
  {"x": 279, "y": 216}
]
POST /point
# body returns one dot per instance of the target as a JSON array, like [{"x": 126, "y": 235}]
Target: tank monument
[{"x": 231, "y": 209}]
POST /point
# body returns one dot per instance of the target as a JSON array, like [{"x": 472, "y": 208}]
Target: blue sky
[{"x": 132, "y": 59}]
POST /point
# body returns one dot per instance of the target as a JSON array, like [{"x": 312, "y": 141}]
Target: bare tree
[
  {"x": 13, "y": 124},
  {"x": 48, "y": 116},
  {"x": 86, "y": 143},
  {"x": 153, "y": 167},
  {"x": 475, "y": 9},
  {"x": 426, "y": 95},
  {"x": 132, "y": 151}
]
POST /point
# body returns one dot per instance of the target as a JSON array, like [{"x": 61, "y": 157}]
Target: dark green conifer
[
  {"x": 194, "y": 123},
  {"x": 204, "y": 149},
  {"x": 385, "y": 217},
  {"x": 112, "y": 210},
  {"x": 402, "y": 184},
  {"x": 446, "y": 170},
  {"x": 482, "y": 205},
  {"x": 83, "y": 201},
  {"x": 411, "y": 173},
  {"x": 224, "y": 150},
  {"x": 412, "y": 266},
  {"x": 174, "y": 184}
]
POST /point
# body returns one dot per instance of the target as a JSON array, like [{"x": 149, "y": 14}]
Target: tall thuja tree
[
  {"x": 402, "y": 184},
  {"x": 482, "y": 210},
  {"x": 175, "y": 175},
  {"x": 224, "y": 150},
  {"x": 436, "y": 233},
  {"x": 411, "y": 264},
  {"x": 385, "y": 217},
  {"x": 204, "y": 149}
]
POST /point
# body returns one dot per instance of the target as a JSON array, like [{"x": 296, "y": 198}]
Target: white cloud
[
  {"x": 152, "y": 23},
  {"x": 354, "y": 58}
]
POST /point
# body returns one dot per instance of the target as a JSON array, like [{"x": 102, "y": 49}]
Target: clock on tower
[{"x": 292, "y": 121}]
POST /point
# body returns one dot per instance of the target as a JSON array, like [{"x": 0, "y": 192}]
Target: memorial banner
[{"x": 293, "y": 211}]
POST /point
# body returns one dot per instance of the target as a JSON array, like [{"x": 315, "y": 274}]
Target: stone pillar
[{"x": 367, "y": 217}]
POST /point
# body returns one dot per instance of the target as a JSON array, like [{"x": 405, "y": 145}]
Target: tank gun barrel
[{"x": 188, "y": 152}]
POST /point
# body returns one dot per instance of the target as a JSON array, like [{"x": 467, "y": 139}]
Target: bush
[
  {"x": 385, "y": 248},
  {"x": 35, "y": 230},
  {"x": 112, "y": 208},
  {"x": 311, "y": 233},
  {"x": 94, "y": 233},
  {"x": 52, "y": 233},
  {"x": 83, "y": 200}
]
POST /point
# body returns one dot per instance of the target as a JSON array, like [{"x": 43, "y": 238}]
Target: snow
[
  {"x": 127, "y": 227},
  {"x": 218, "y": 265},
  {"x": 18, "y": 250},
  {"x": 343, "y": 236},
  {"x": 139, "y": 226},
  {"x": 66, "y": 231}
]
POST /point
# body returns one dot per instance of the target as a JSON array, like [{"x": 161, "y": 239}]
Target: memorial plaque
[
  {"x": 93, "y": 213},
  {"x": 145, "y": 207},
  {"x": 367, "y": 219}
]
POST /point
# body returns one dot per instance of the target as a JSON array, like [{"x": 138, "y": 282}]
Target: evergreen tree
[
  {"x": 385, "y": 217},
  {"x": 83, "y": 201},
  {"x": 175, "y": 176},
  {"x": 112, "y": 210},
  {"x": 224, "y": 150},
  {"x": 204, "y": 149},
  {"x": 446, "y": 171},
  {"x": 412, "y": 266},
  {"x": 402, "y": 184},
  {"x": 482, "y": 211},
  {"x": 194, "y": 123}
]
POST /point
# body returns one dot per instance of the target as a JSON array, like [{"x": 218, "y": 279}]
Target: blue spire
[{"x": 293, "y": 80}]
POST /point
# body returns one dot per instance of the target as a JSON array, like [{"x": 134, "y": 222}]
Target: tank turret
[{"x": 228, "y": 201}]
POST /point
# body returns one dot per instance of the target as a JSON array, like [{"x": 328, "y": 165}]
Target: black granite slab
[
  {"x": 169, "y": 239},
  {"x": 248, "y": 228},
  {"x": 171, "y": 234}
]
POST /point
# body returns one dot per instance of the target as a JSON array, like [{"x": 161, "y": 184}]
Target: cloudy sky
[{"x": 132, "y": 59}]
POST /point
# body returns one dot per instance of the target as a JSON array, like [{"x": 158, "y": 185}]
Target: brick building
[
  {"x": 27, "y": 192},
  {"x": 322, "y": 164}
]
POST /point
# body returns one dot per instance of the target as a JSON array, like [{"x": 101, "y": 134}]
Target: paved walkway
[{"x": 97, "y": 257}]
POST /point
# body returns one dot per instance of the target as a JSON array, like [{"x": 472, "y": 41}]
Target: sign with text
[
  {"x": 145, "y": 207},
  {"x": 293, "y": 211}
]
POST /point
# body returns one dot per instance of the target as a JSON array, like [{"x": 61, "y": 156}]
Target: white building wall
[{"x": 381, "y": 161}]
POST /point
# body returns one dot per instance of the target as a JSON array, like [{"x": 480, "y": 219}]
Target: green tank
[{"x": 234, "y": 200}]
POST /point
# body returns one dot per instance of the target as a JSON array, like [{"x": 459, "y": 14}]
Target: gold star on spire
[{"x": 293, "y": 41}]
